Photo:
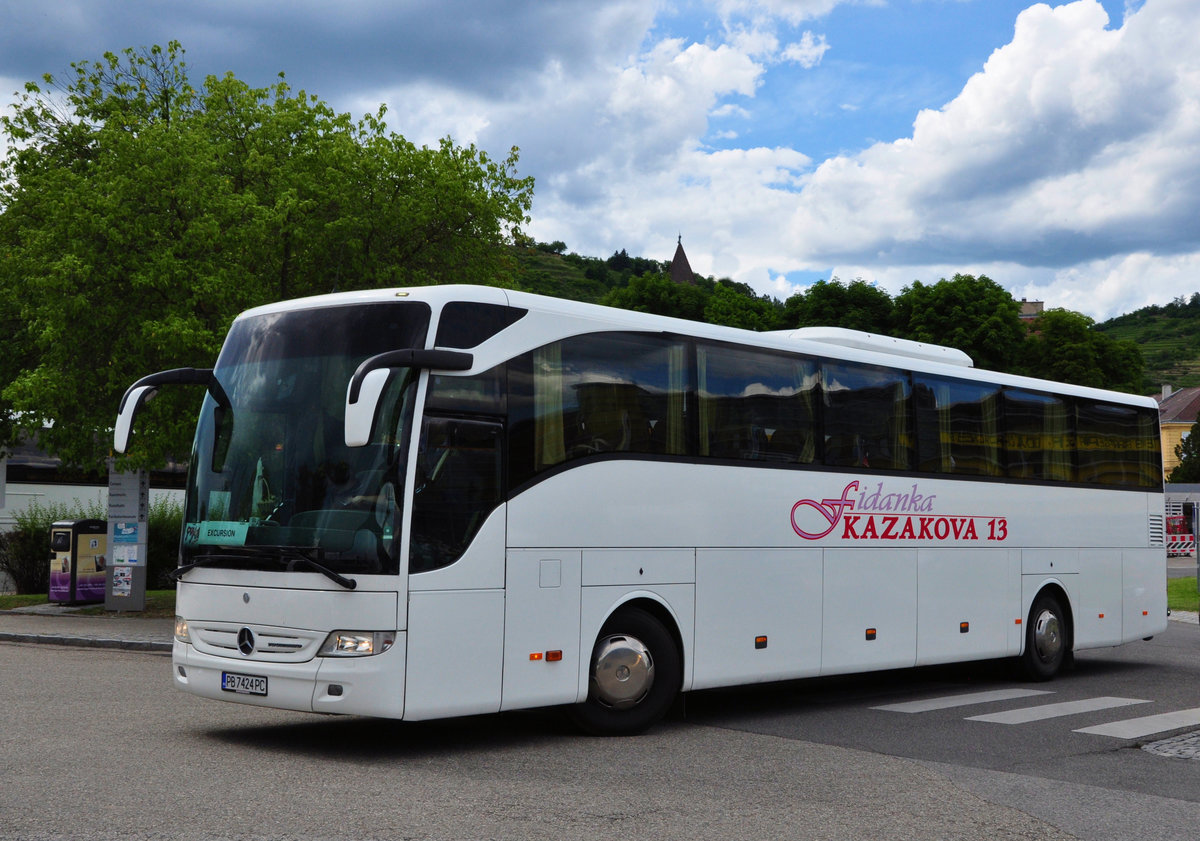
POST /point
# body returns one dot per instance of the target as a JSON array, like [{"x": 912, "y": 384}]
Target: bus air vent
[{"x": 1157, "y": 530}]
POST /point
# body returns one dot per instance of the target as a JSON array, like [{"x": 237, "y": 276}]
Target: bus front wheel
[
  {"x": 1047, "y": 639},
  {"x": 634, "y": 676}
]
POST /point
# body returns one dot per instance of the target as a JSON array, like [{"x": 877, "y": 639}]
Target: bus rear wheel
[
  {"x": 634, "y": 676},
  {"x": 1047, "y": 639}
]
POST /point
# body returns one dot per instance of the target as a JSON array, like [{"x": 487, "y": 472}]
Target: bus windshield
[{"x": 272, "y": 484}]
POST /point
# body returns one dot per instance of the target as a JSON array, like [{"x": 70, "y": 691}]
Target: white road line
[
  {"x": 949, "y": 701},
  {"x": 1135, "y": 728},
  {"x": 1028, "y": 714}
]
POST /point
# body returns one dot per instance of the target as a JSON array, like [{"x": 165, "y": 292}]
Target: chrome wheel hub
[
  {"x": 1047, "y": 636},
  {"x": 622, "y": 671}
]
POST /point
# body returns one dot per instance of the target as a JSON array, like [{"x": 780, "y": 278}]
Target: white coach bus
[{"x": 455, "y": 500}]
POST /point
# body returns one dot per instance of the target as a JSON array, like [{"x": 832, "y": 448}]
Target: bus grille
[{"x": 280, "y": 645}]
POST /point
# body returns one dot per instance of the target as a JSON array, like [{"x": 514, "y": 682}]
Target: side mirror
[
  {"x": 145, "y": 388},
  {"x": 371, "y": 378},
  {"x": 131, "y": 403}
]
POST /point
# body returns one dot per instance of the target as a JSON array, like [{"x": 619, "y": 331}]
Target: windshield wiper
[
  {"x": 289, "y": 556},
  {"x": 337, "y": 578},
  {"x": 208, "y": 560}
]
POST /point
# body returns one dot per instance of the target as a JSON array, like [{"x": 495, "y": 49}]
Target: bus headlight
[
  {"x": 357, "y": 643},
  {"x": 181, "y": 630}
]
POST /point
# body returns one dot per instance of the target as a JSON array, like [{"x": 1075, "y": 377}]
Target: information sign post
[{"x": 128, "y": 510}]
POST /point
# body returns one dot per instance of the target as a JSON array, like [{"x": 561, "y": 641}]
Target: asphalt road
[
  {"x": 1099, "y": 752},
  {"x": 1183, "y": 567},
  {"x": 97, "y": 745}
]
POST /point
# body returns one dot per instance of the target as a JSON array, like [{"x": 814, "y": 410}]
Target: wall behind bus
[{"x": 18, "y": 496}]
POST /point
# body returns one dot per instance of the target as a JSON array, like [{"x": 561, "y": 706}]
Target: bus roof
[{"x": 561, "y": 318}]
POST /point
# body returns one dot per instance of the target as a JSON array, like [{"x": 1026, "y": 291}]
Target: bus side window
[
  {"x": 1039, "y": 436},
  {"x": 867, "y": 420},
  {"x": 1116, "y": 445},
  {"x": 958, "y": 426},
  {"x": 597, "y": 394},
  {"x": 756, "y": 406}
]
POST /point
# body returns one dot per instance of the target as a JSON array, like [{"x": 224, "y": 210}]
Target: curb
[{"x": 88, "y": 642}]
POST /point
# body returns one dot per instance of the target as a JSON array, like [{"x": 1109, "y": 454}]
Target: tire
[
  {"x": 634, "y": 675},
  {"x": 1047, "y": 639}
]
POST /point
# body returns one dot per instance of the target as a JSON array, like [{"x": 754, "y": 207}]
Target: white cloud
[
  {"x": 791, "y": 11},
  {"x": 679, "y": 80},
  {"x": 808, "y": 51},
  {"x": 1075, "y": 145},
  {"x": 1106, "y": 288},
  {"x": 1059, "y": 159},
  {"x": 1072, "y": 154},
  {"x": 1065, "y": 168},
  {"x": 1100, "y": 288}
]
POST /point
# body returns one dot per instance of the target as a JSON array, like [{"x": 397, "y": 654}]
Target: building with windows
[
  {"x": 1177, "y": 411},
  {"x": 1031, "y": 310}
]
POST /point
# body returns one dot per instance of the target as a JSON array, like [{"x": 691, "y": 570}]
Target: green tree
[
  {"x": 974, "y": 314},
  {"x": 656, "y": 293},
  {"x": 1063, "y": 346},
  {"x": 1188, "y": 453},
  {"x": 137, "y": 219},
  {"x": 736, "y": 305},
  {"x": 856, "y": 305}
]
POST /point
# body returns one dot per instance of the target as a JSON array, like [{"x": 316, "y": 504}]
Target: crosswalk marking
[
  {"x": 949, "y": 701},
  {"x": 1131, "y": 728},
  {"x": 1044, "y": 711},
  {"x": 1135, "y": 728}
]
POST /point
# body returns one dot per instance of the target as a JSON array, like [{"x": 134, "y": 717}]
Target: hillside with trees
[
  {"x": 1169, "y": 338},
  {"x": 973, "y": 314}
]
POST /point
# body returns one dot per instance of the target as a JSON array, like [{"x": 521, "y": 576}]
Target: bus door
[{"x": 456, "y": 570}]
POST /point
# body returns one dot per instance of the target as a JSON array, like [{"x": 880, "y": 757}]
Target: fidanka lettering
[{"x": 879, "y": 513}]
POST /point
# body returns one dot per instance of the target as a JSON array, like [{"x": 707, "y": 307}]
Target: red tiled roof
[{"x": 1181, "y": 407}]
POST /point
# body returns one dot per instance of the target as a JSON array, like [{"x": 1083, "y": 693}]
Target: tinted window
[
  {"x": 458, "y": 484},
  {"x": 866, "y": 417},
  {"x": 353, "y": 331},
  {"x": 1117, "y": 445},
  {"x": 756, "y": 406},
  {"x": 958, "y": 426},
  {"x": 1038, "y": 438},
  {"x": 481, "y": 394},
  {"x": 597, "y": 394},
  {"x": 465, "y": 324}
]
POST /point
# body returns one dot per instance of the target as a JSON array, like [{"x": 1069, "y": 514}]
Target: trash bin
[{"x": 78, "y": 551}]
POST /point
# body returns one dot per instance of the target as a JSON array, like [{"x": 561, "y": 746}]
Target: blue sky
[{"x": 1052, "y": 147}]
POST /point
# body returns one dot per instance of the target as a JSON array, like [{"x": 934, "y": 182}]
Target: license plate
[{"x": 243, "y": 684}]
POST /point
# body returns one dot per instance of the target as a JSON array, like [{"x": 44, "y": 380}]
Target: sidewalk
[{"x": 60, "y": 625}]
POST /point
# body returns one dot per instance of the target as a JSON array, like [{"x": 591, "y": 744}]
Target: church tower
[{"x": 681, "y": 270}]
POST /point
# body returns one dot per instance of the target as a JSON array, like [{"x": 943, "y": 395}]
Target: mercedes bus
[{"x": 454, "y": 500}]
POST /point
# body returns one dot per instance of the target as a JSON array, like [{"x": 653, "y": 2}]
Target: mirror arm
[
  {"x": 442, "y": 360},
  {"x": 362, "y": 403},
  {"x": 148, "y": 386}
]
